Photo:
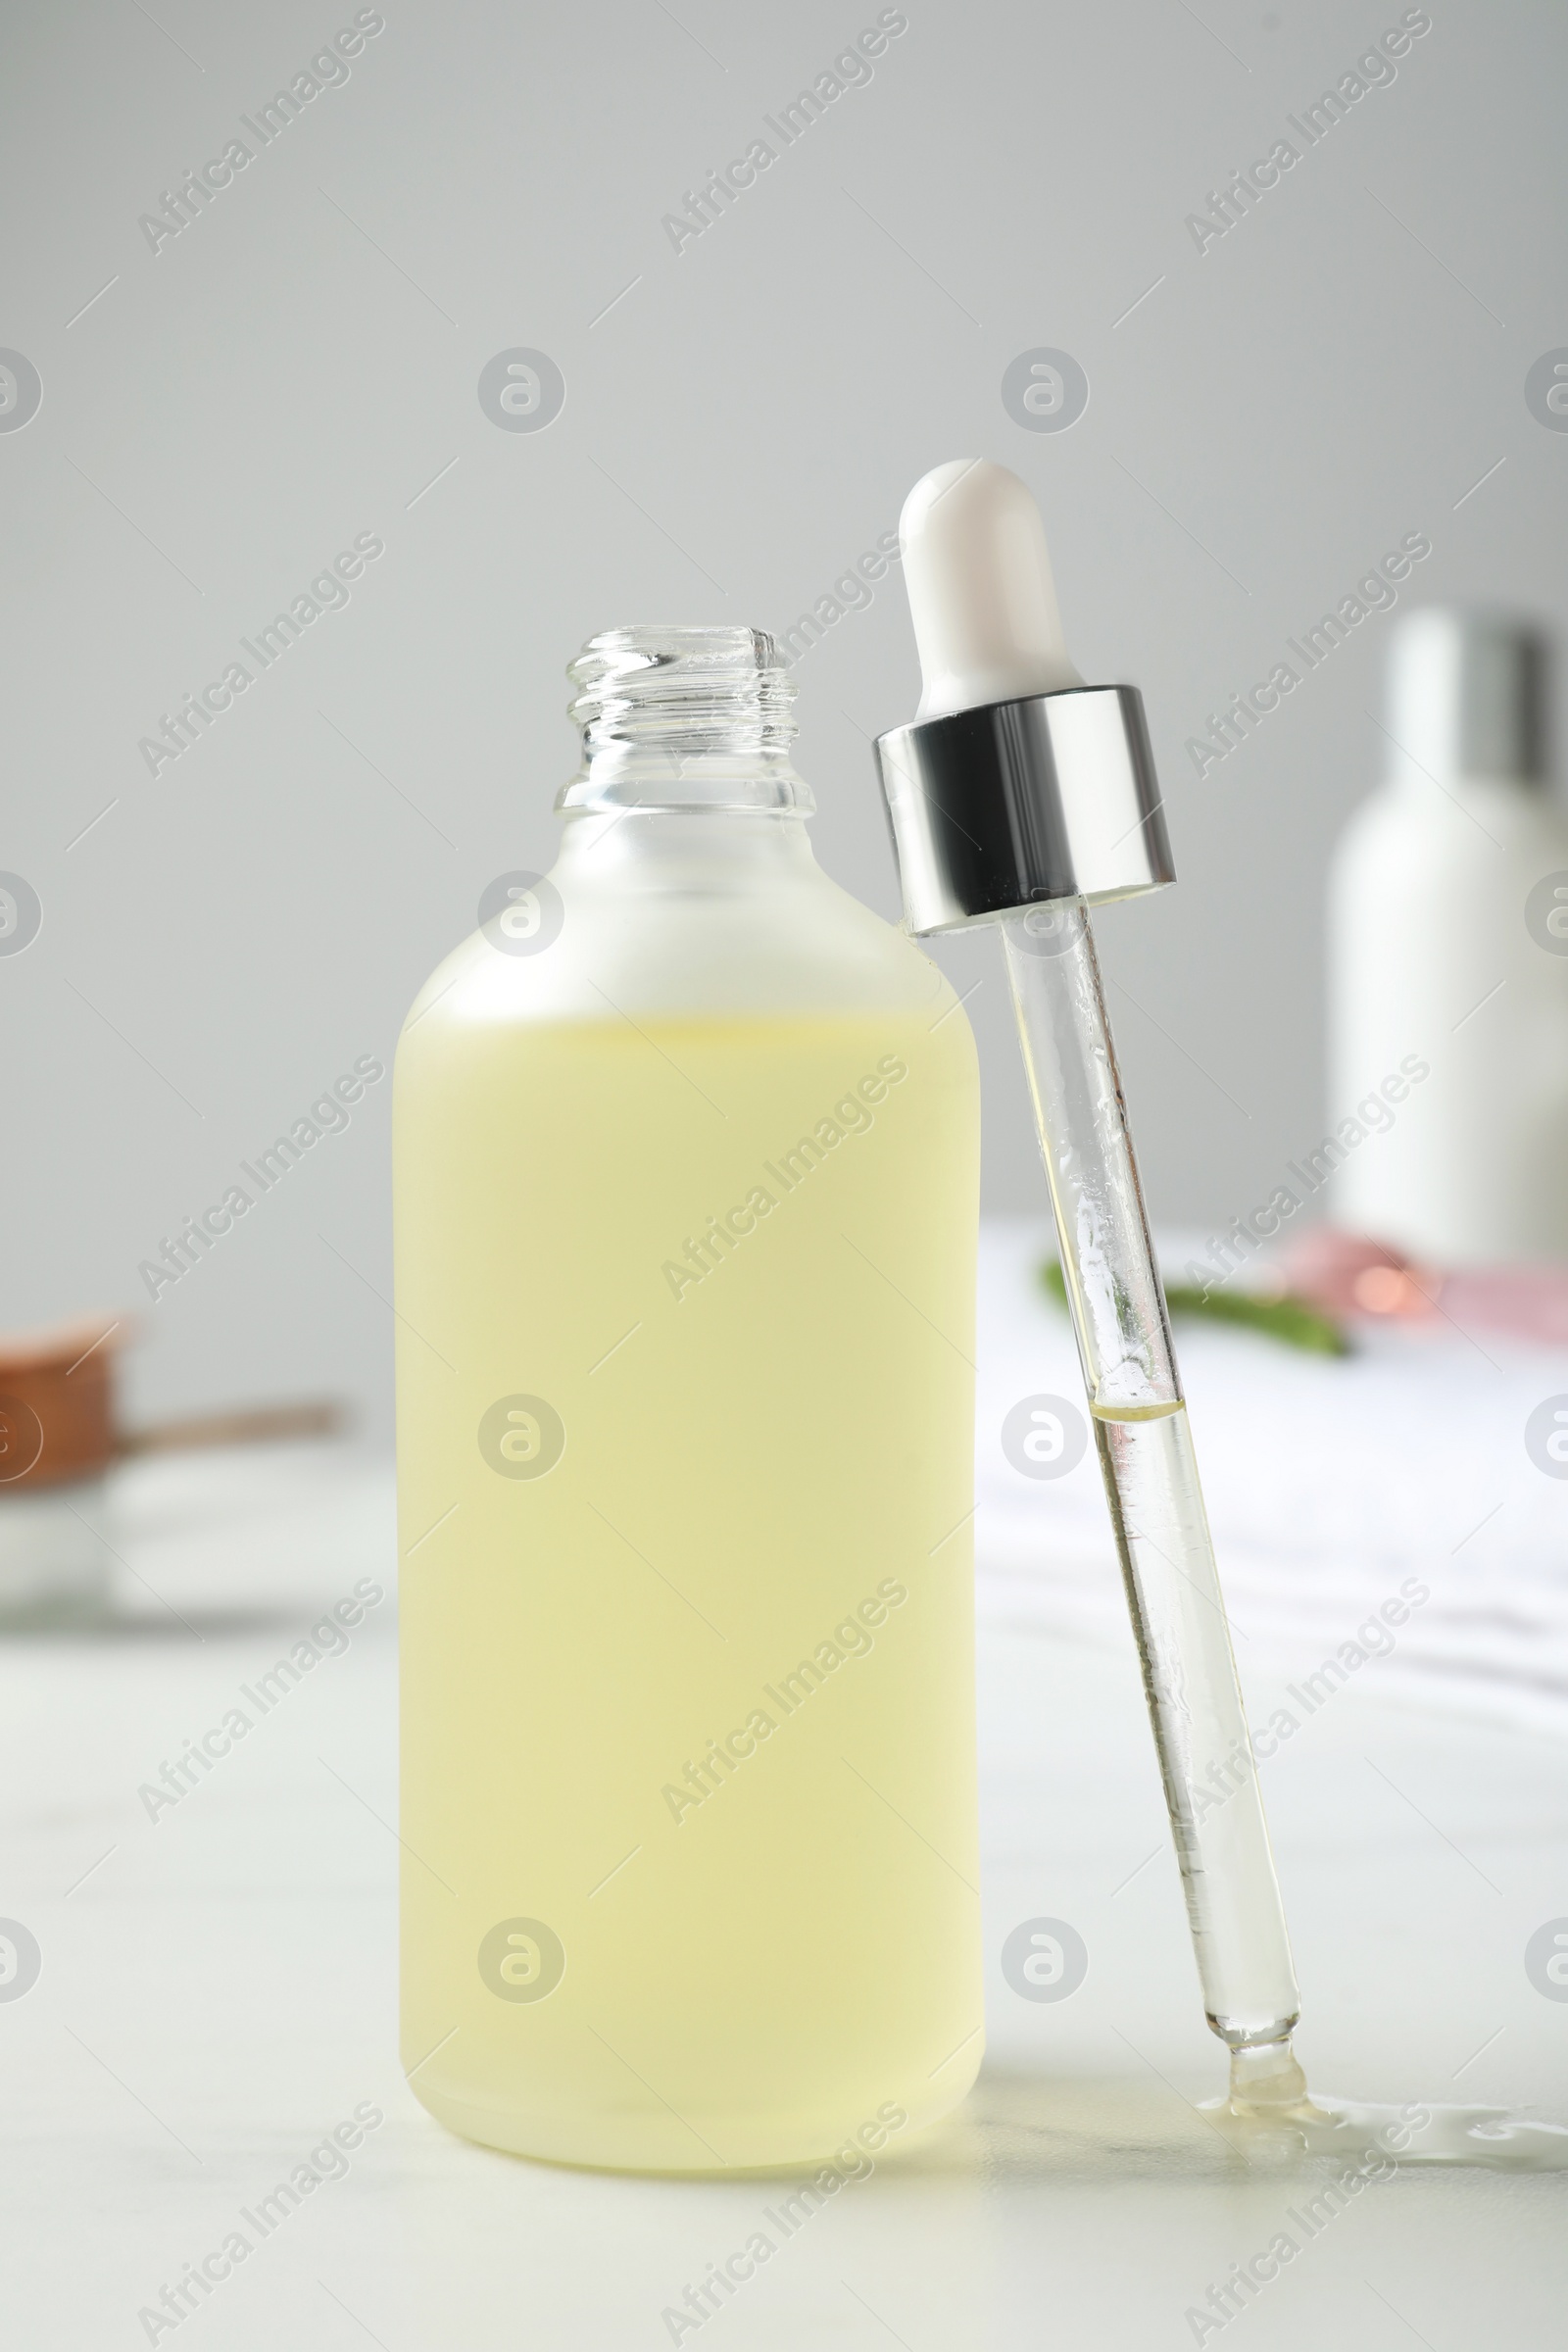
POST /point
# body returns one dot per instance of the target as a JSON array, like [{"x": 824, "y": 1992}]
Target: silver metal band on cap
[{"x": 1052, "y": 797}]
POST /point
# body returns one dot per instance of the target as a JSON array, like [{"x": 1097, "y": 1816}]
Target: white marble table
[{"x": 218, "y": 1993}]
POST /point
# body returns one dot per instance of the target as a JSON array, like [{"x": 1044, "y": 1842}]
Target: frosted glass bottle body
[
  {"x": 1449, "y": 1016},
  {"x": 686, "y": 1177}
]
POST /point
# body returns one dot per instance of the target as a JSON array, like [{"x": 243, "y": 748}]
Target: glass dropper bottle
[{"x": 1020, "y": 797}]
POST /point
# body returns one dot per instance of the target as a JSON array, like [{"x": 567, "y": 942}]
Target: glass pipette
[{"x": 1020, "y": 797}]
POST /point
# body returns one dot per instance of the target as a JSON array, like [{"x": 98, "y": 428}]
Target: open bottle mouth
[{"x": 676, "y": 716}]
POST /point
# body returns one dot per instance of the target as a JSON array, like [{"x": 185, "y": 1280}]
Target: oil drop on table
[{"x": 686, "y": 1200}]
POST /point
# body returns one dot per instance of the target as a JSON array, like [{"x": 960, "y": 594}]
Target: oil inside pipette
[{"x": 1188, "y": 1673}]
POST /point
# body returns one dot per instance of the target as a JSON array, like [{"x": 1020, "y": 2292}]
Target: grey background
[{"x": 299, "y": 364}]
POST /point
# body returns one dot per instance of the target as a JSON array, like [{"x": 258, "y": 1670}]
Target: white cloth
[{"x": 1328, "y": 1483}]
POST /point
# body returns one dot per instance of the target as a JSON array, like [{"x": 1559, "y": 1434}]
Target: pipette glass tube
[
  {"x": 1020, "y": 797},
  {"x": 1147, "y": 1459}
]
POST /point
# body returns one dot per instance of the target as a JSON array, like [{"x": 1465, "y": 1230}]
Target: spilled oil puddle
[
  {"x": 1421, "y": 2133},
  {"x": 1270, "y": 2116},
  {"x": 1017, "y": 2127}
]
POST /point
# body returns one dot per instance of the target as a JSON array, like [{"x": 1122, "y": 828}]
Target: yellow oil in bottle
[{"x": 685, "y": 1433}]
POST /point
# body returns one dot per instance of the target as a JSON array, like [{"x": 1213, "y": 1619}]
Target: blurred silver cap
[{"x": 1467, "y": 693}]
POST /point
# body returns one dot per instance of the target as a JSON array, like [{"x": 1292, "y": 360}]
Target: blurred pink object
[
  {"x": 1527, "y": 1303},
  {"x": 1348, "y": 1275},
  {"x": 1345, "y": 1274}
]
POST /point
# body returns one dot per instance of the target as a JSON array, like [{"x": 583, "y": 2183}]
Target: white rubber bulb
[{"x": 977, "y": 570}]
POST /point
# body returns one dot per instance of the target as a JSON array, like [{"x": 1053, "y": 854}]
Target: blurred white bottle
[{"x": 1449, "y": 946}]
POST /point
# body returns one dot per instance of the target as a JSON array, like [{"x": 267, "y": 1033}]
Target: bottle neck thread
[{"x": 692, "y": 718}]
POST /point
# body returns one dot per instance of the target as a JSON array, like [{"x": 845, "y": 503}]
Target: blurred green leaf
[{"x": 1289, "y": 1320}]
